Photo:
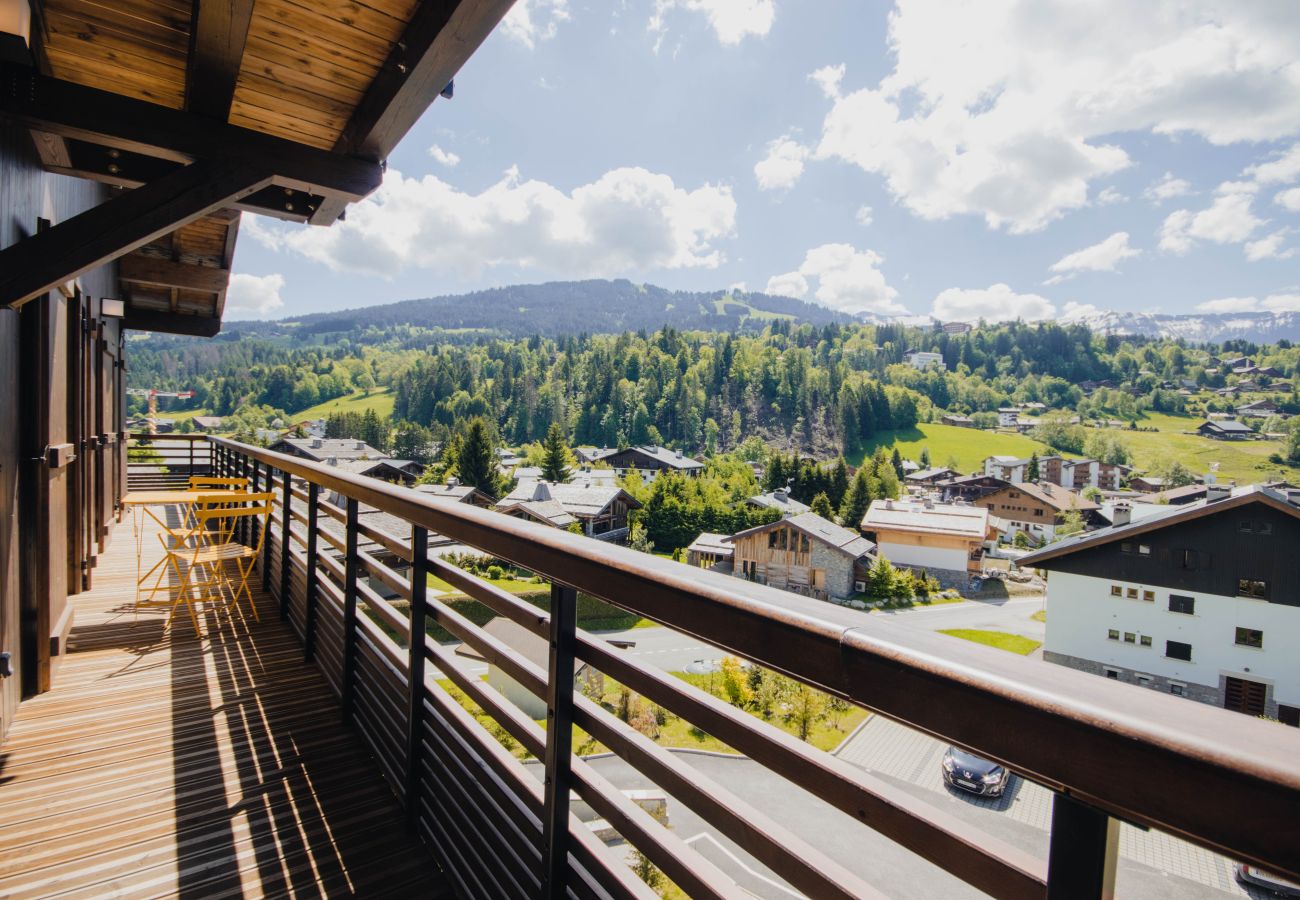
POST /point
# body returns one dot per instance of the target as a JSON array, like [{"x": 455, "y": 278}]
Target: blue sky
[{"x": 1000, "y": 158}]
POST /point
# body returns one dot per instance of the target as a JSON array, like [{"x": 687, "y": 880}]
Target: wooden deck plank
[{"x": 163, "y": 765}]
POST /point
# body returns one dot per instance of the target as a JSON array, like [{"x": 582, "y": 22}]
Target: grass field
[
  {"x": 966, "y": 446},
  {"x": 1002, "y": 640},
  {"x": 380, "y": 400},
  {"x": 1242, "y": 461}
]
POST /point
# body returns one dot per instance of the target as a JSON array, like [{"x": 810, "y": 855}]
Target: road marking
[{"x": 704, "y": 835}]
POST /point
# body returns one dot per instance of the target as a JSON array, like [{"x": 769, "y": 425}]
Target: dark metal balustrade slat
[
  {"x": 559, "y": 740},
  {"x": 350, "y": 566},
  {"x": 419, "y": 591},
  {"x": 313, "y": 575},
  {"x": 286, "y": 522},
  {"x": 1084, "y": 852}
]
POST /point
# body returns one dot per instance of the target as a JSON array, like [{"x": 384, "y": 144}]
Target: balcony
[{"x": 281, "y": 772}]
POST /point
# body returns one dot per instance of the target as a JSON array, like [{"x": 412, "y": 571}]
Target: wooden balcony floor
[{"x": 164, "y": 765}]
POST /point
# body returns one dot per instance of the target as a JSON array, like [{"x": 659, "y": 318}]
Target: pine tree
[
  {"x": 1031, "y": 473},
  {"x": 857, "y": 500},
  {"x": 925, "y": 458},
  {"x": 897, "y": 460},
  {"x": 555, "y": 455},
  {"x": 821, "y": 505},
  {"x": 839, "y": 482},
  {"x": 475, "y": 458}
]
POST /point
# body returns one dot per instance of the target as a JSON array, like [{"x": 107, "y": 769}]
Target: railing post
[
  {"x": 559, "y": 740},
  {"x": 1084, "y": 851},
  {"x": 286, "y": 514},
  {"x": 415, "y": 668},
  {"x": 351, "y": 563},
  {"x": 269, "y": 539},
  {"x": 309, "y": 625},
  {"x": 192, "y": 472},
  {"x": 255, "y": 485}
]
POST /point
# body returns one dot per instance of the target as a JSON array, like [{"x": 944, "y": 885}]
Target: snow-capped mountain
[{"x": 1260, "y": 327}]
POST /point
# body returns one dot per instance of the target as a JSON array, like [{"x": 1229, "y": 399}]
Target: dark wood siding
[{"x": 1224, "y": 554}]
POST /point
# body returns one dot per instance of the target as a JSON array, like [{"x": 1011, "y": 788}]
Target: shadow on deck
[{"x": 162, "y": 764}]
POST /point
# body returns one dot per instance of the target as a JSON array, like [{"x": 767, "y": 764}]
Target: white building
[
  {"x": 923, "y": 359},
  {"x": 1202, "y": 601},
  {"x": 930, "y": 536}
]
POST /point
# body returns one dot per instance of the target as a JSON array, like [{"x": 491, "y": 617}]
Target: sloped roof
[
  {"x": 578, "y": 499},
  {"x": 709, "y": 542},
  {"x": 938, "y": 518},
  {"x": 823, "y": 530},
  {"x": 780, "y": 500},
  {"x": 334, "y": 448},
  {"x": 1231, "y": 425},
  {"x": 461, "y": 493}
]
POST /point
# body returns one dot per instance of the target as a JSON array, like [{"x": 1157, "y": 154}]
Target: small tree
[
  {"x": 735, "y": 685},
  {"x": 925, "y": 459},
  {"x": 1031, "y": 472},
  {"x": 476, "y": 457},
  {"x": 639, "y": 539},
  {"x": 1020, "y": 540},
  {"x": 555, "y": 455},
  {"x": 857, "y": 500},
  {"x": 821, "y": 505},
  {"x": 807, "y": 708},
  {"x": 1071, "y": 523}
]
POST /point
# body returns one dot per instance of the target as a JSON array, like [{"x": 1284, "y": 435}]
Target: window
[
  {"x": 1250, "y": 587},
  {"x": 803, "y": 543},
  {"x": 1039, "y": 513},
  {"x": 1132, "y": 593},
  {"x": 771, "y": 540},
  {"x": 1250, "y": 637},
  {"x": 1178, "y": 650},
  {"x": 1149, "y": 596},
  {"x": 1113, "y": 634},
  {"x": 1112, "y": 674},
  {"x": 1145, "y": 640},
  {"x": 1130, "y": 637},
  {"x": 1255, "y": 527},
  {"x": 1288, "y": 715},
  {"x": 1181, "y": 604},
  {"x": 1116, "y": 591},
  {"x": 1178, "y": 690},
  {"x": 1131, "y": 547}
]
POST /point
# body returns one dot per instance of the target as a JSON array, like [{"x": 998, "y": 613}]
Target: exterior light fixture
[
  {"x": 112, "y": 308},
  {"x": 16, "y": 32}
]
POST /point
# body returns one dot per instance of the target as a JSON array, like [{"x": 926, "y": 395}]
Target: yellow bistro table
[{"x": 141, "y": 502}]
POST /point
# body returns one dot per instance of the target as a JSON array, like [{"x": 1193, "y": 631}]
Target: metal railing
[
  {"x": 1110, "y": 752},
  {"x": 162, "y": 461}
]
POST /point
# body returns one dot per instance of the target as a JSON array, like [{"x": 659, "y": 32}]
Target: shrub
[{"x": 496, "y": 573}]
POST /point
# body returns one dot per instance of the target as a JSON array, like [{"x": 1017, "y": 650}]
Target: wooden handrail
[{"x": 1131, "y": 753}]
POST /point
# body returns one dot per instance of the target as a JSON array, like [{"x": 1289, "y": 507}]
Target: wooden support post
[
  {"x": 286, "y": 520},
  {"x": 559, "y": 741},
  {"x": 309, "y": 624},
  {"x": 415, "y": 668},
  {"x": 351, "y": 563},
  {"x": 1084, "y": 852}
]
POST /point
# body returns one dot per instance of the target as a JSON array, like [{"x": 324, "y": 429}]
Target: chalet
[
  {"x": 969, "y": 487},
  {"x": 1007, "y": 416},
  {"x": 394, "y": 471},
  {"x": 1237, "y": 362},
  {"x": 709, "y": 550},
  {"x": 920, "y": 359},
  {"x": 648, "y": 460},
  {"x": 957, "y": 421},
  {"x": 1196, "y": 600},
  {"x": 323, "y": 449},
  {"x": 781, "y": 500},
  {"x": 1176, "y": 496},
  {"x": 956, "y": 327},
  {"x": 1146, "y": 484},
  {"x": 1038, "y": 510},
  {"x": 452, "y": 489},
  {"x": 1011, "y": 469},
  {"x": 600, "y": 511},
  {"x": 1259, "y": 409},
  {"x": 1225, "y": 430},
  {"x": 1081, "y": 473},
  {"x": 937, "y": 537},
  {"x": 1089, "y": 386},
  {"x": 924, "y": 478},
  {"x": 805, "y": 554},
  {"x": 207, "y": 423}
]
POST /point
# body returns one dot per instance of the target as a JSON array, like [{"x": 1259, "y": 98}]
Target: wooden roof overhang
[{"x": 197, "y": 111}]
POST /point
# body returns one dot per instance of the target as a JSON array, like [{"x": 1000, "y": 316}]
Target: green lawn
[
  {"x": 1040, "y": 616},
  {"x": 380, "y": 400},
  {"x": 1001, "y": 639},
  {"x": 968, "y": 446},
  {"x": 1242, "y": 461},
  {"x": 513, "y": 585}
]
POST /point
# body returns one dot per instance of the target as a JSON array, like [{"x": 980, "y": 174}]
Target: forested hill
[{"x": 572, "y": 307}]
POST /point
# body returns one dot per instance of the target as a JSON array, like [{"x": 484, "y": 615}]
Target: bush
[{"x": 495, "y": 573}]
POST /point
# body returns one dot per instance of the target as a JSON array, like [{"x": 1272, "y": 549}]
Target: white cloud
[
  {"x": 446, "y": 157},
  {"x": 1228, "y": 220},
  {"x": 1280, "y": 170},
  {"x": 1100, "y": 257},
  {"x": 732, "y": 20},
  {"x": 1269, "y": 247},
  {"x": 1272, "y": 303},
  {"x": 1110, "y": 196},
  {"x": 1004, "y": 109},
  {"x": 829, "y": 78},
  {"x": 253, "y": 296},
  {"x": 1167, "y": 188},
  {"x": 1078, "y": 312},
  {"x": 863, "y": 216},
  {"x": 783, "y": 165},
  {"x": 532, "y": 21},
  {"x": 627, "y": 220},
  {"x": 1289, "y": 199},
  {"x": 996, "y": 303},
  {"x": 847, "y": 279}
]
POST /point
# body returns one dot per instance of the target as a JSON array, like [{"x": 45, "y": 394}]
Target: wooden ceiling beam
[
  {"x": 169, "y": 323},
  {"x": 74, "y": 111},
  {"x": 440, "y": 37},
  {"x": 217, "y": 37},
  {"x": 101, "y": 234},
  {"x": 166, "y": 273}
]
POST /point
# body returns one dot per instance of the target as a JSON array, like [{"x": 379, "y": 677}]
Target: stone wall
[
  {"x": 1202, "y": 693},
  {"x": 838, "y": 568}
]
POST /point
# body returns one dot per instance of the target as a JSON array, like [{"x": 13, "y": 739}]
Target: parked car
[
  {"x": 968, "y": 772},
  {"x": 1256, "y": 877}
]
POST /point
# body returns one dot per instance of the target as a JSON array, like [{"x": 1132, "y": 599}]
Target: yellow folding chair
[
  {"x": 198, "y": 482},
  {"x": 201, "y": 569}
]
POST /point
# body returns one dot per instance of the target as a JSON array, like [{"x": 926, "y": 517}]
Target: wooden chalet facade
[{"x": 805, "y": 554}]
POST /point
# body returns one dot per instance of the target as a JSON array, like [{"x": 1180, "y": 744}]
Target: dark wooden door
[
  {"x": 1244, "y": 696},
  {"x": 10, "y": 687}
]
